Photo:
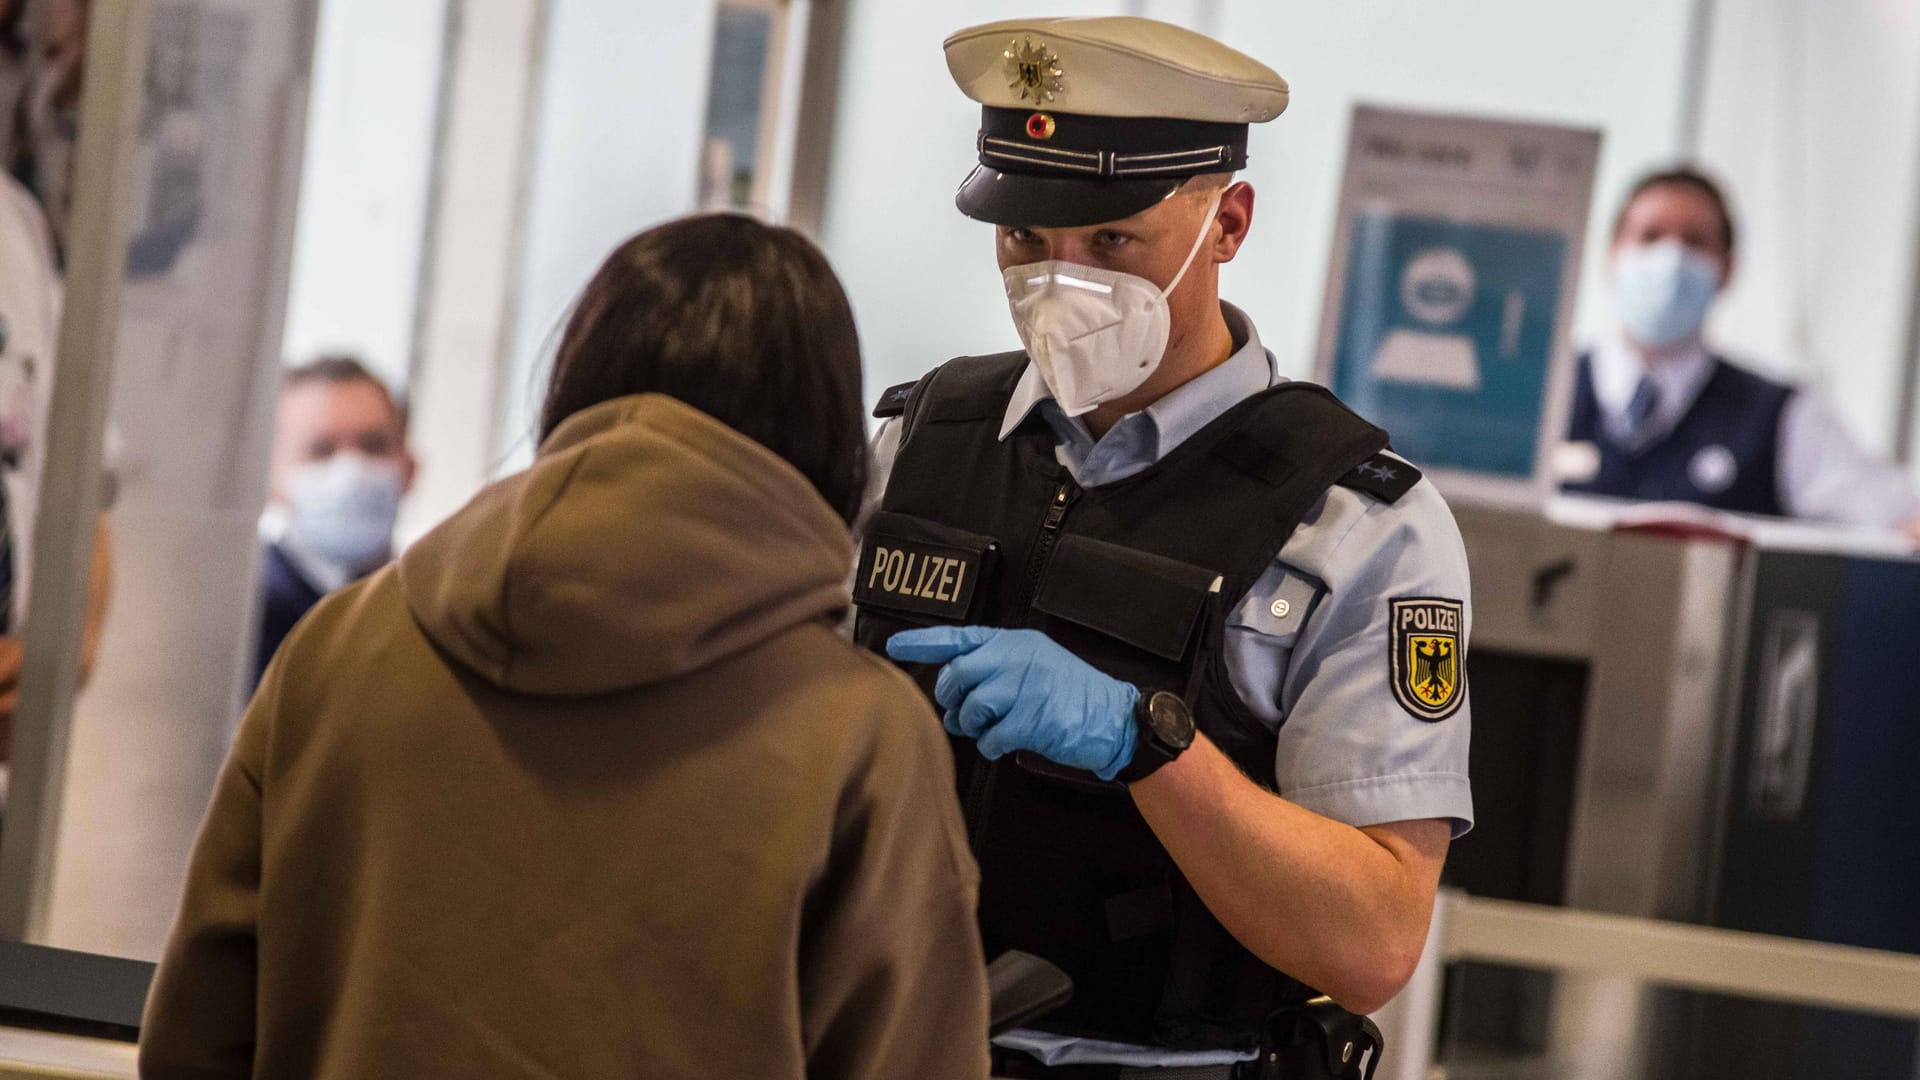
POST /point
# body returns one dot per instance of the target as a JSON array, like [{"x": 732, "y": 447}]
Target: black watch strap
[{"x": 1164, "y": 727}]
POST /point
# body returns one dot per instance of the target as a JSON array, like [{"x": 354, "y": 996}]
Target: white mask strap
[{"x": 1206, "y": 226}]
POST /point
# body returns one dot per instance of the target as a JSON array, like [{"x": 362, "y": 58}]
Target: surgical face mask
[
  {"x": 342, "y": 509},
  {"x": 1662, "y": 292},
  {"x": 1094, "y": 334}
]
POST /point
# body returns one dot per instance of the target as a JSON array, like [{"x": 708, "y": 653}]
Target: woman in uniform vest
[{"x": 1668, "y": 419}]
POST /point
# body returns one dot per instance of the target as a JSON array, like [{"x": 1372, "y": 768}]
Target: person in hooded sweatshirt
[{"x": 586, "y": 784}]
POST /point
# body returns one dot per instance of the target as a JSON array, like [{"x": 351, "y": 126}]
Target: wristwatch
[{"x": 1166, "y": 730}]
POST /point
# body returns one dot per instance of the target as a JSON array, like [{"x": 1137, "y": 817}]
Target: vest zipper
[
  {"x": 1043, "y": 548},
  {"x": 980, "y": 784}
]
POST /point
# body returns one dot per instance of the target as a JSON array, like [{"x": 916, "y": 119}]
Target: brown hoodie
[{"x": 586, "y": 786}]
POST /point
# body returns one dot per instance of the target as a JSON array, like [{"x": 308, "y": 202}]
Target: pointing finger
[{"x": 937, "y": 644}]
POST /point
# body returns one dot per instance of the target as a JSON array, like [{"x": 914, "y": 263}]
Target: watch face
[{"x": 1171, "y": 720}]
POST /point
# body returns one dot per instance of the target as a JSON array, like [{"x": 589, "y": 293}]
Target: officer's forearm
[{"x": 1342, "y": 909}]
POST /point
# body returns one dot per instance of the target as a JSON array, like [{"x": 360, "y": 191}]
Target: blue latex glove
[{"x": 1018, "y": 690}]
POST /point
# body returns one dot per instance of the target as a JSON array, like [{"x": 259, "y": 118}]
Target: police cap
[{"x": 1088, "y": 120}]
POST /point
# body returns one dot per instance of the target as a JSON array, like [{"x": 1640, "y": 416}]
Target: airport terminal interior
[{"x": 344, "y": 341}]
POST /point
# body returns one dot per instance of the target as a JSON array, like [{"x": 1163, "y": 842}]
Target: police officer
[
  {"x": 1663, "y": 418},
  {"x": 1198, "y": 636}
]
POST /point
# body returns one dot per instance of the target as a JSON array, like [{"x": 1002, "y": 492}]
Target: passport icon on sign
[
  {"x": 1445, "y": 333},
  {"x": 1436, "y": 289}
]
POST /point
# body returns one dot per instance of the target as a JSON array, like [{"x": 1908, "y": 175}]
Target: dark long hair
[{"x": 745, "y": 322}]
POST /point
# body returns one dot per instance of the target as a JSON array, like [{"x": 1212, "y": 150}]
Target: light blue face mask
[
  {"x": 342, "y": 509},
  {"x": 1662, "y": 292}
]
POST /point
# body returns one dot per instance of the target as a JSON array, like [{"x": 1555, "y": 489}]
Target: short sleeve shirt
[{"x": 1310, "y": 648}]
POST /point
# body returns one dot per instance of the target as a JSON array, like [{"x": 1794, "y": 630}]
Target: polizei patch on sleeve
[
  {"x": 1429, "y": 672},
  {"x": 917, "y": 576}
]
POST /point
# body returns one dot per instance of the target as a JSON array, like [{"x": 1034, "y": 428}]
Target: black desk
[{"x": 72, "y": 993}]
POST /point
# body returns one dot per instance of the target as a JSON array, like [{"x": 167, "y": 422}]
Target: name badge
[{"x": 917, "y": 576}]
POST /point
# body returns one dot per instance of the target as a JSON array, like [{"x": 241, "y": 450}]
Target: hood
[{"x": 647, "y": 541}]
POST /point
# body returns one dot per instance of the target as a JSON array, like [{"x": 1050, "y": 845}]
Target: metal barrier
[{"x": 1668, "y": 954}]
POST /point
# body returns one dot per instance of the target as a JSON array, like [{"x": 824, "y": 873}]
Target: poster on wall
[{"x": 1450, "y": 291}]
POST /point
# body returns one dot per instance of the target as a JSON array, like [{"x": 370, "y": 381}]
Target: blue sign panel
[{"x": 1446, "y": 334}]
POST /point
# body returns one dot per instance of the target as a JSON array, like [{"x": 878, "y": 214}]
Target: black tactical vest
[{"x": 1136, "y": 577}]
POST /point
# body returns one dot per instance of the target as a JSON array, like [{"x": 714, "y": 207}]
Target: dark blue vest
[
  {"x": 288, "y": 597},
  {"x": 1724, "y": 453}
]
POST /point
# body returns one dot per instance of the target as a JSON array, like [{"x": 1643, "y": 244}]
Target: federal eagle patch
[{"x": 1429, "y": 668}]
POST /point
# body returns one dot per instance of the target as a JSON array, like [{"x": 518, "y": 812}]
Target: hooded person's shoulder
[
  {"x": 888, "y": 742},
  {"x": 646, "y": 542},
  {"x": 337, "y": 636},
  {"x": 855, "y": 693}
]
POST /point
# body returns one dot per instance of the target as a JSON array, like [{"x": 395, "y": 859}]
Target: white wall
[
  {"x": 1616, "y": 67},
  {"x": 922, "y": 277},
  {"x": 1813, "y": 116},
  {"x": 494, "y": 61},
  {"x": 617, "y": 149},
  {"x": 363, "y": 196}
]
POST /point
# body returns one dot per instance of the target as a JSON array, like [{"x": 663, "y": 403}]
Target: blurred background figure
[
  {"x": 340, "y": 468},
  {"x": 13, "y": 73},
  {"x": 29, "y": 331},
  {"x": 1659, "y": 416},
  {"x": 46, "y": 114}
]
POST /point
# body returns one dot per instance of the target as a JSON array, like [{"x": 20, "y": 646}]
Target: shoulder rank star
[
  {"x": 1378, "y": 472},
  {"x": 1036, "y": 71}
]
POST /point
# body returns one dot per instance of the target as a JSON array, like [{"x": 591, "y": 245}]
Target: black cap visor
[{"x": 1054, "y": 202}]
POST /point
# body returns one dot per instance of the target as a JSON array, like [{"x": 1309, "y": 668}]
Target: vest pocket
[
  {"x": 1277, "y": 606},
  {"x": 1137, "y": 616},
  {"x": 1146, "y": 601}
]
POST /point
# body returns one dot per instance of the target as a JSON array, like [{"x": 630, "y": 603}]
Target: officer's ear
[{"x": 1236, "y": 220}]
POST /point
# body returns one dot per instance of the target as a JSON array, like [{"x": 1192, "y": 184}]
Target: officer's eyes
[
  {"x": 1022, "y": 236},
  {"x": 1111, "y": 239}
]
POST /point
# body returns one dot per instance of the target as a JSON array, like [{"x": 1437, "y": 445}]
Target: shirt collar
[
  {"x": 1617, "y": 368},
  {"x": 1181, "y": 411}
]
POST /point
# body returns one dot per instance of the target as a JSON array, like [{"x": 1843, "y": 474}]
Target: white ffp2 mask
[{"x": 1094, "y": 334}]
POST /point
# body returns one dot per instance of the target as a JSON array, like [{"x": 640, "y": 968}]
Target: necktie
[{"x": 1646, "y": 398}]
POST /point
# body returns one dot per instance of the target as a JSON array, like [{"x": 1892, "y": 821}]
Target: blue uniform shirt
[{"x": 1310, "y": 642}]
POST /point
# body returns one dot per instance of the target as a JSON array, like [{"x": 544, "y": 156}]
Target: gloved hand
[{"x": 1018, "y": 690}]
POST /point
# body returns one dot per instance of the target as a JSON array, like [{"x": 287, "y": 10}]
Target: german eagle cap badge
[
  {"x": 1428, "y": 665},
  {"x": 1035, "y": 70}
]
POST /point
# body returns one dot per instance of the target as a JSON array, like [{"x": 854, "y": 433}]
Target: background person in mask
[
  {"x": 587, "y": 784},
  {"x": 1200, "y": 640},
  {"x": 1668, "y": 420},
  {"x": 340, "y": 468}
]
